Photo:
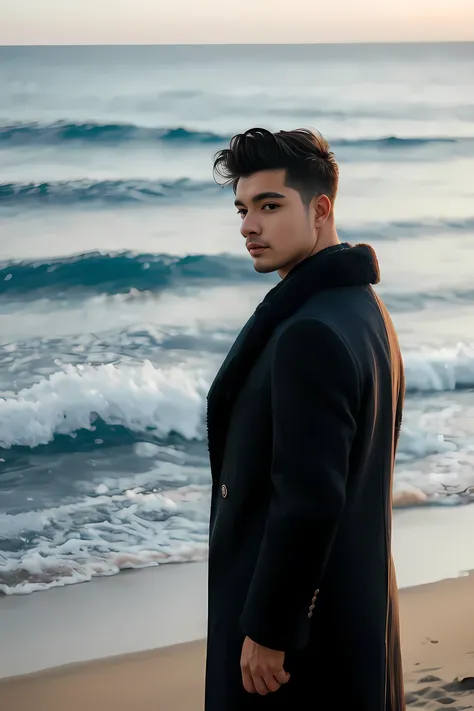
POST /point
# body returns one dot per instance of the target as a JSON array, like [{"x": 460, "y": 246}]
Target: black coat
[{"x": 303, "y": 421}]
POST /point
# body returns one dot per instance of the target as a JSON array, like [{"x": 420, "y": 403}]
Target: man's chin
[{"x": 263, "y": 267}]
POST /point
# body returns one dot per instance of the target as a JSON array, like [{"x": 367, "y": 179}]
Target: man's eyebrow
[{"x": 261, "y": 196}]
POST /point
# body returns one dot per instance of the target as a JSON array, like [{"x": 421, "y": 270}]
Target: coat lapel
[
  {"x": 233, "y": 353},
  {"x": 218, "y": 404},
  {"x": 338, "y": 266}
]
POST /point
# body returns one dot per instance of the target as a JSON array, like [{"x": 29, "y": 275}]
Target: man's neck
[
  {"x": 327, "y": 239},
  {"x": 330, "y": 239}
]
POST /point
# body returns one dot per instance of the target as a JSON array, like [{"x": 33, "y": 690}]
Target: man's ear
[{"x": 322, "y": 209}]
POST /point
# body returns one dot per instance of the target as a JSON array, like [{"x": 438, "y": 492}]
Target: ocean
[{"x": 124, "y": 278}]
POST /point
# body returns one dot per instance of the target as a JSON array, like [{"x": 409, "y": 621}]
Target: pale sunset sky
[{"x": 233, "y": 21}]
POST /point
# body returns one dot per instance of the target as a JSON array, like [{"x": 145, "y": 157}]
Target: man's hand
[{"x": 262, "y": 668}]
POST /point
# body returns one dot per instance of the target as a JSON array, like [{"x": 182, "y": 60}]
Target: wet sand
[{"x": 129, "y": 625}]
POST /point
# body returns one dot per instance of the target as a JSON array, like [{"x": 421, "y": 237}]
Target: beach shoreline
[
  {"x": 437, "y": 621},
  {"x": 164, "y": 605},
  {"x": 137, "y": 639},
  {"x": 128, "y": 613}
]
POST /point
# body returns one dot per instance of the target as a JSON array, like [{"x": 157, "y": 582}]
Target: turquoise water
[{"x": 124, "y": 279}]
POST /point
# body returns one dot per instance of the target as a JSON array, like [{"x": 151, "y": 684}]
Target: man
[{"x": 303, "y": 422}]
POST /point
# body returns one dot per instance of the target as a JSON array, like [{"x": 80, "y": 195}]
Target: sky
[{"x": 233, "y": 21}]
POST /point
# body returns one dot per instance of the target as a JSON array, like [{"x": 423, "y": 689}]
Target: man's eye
[
  {"x": 270, "y": 206},
  {"x": 242, "y": 212}
]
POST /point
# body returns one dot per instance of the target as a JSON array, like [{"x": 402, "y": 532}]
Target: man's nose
[{"x": 249, "y": 226}]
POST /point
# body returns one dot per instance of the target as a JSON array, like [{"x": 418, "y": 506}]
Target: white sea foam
[
  {"x": 127, "y": 523},
  {"x": 144, "y": 397},
  {"x": 430, "y": 369},
  {"x": 446, "y": 480},
  {"x": 138, "y": 397},
  {"x": 162, "y": 515},
  {"x": 103, "y": 534}
]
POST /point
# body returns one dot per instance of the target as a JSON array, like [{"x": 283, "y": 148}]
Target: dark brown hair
[{"x": 310, "y": 165}]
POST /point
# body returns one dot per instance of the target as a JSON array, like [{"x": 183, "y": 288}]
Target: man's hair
[{"x": 310, "y": 165}]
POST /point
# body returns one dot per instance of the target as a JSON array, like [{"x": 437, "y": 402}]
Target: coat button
[{"x": 224, "y": 491}]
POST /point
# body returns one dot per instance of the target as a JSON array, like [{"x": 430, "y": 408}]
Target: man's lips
[{"x": 255, "y": 249}]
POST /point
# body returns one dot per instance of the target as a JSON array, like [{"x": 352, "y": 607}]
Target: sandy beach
[
  {"x": 438, "y": 647},
  {"x": 136, "y": 640},
  {"x": 438, "y": 644}
]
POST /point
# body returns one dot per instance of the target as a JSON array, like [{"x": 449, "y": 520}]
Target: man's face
[{"x": 279, "y": 229}]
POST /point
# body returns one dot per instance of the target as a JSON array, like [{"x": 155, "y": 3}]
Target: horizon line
[{"x": 246, "y": 44}]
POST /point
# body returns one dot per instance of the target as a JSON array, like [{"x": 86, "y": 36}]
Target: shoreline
[
  {"x": 437, "y": 620},
  {"x": 159, "y": 607},
  {"x": 133, "y": 611},
  {"x": 431, "y": 544}
]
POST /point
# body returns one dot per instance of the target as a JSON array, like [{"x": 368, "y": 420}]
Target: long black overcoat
[{"x": 303, "y": 422}]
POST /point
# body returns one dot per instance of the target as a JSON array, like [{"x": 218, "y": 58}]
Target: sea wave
[
  {"x": 136, "y": 192},
  {"x": 95, "y": 133},
  {"x": 394, "y": 142},
  {"x": 127, "y": 272},
  {"x": 114, "y": 521},
  {"x": 431, "y": 370},
  {"x": 417, "y": 300},
  {"x": 34, "y": 133},
  {"x": 159, "y": 402},
  {"x": 140, "y": 398},
  {"x": 115, "y": 273},
  {"x": 71, "y": 192},
  {"x": 119, "y": 524},
  {"x": 159, "y": 517}
]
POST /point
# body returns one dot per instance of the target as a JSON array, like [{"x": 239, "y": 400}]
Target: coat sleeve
[{"x": 315, "y": 398}]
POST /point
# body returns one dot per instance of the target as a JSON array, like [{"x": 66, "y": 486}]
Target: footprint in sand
[{"x": 437, "y": 694}]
